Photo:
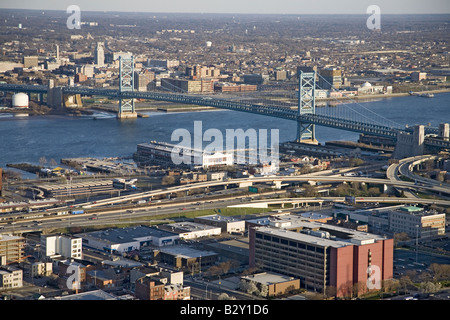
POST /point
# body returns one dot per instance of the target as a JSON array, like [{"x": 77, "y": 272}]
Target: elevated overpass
[{"x": 274, "y": 180}]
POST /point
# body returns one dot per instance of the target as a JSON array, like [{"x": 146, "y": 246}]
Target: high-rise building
[
  {"x": 330, "y": 78},
  {"x": 99, "y": 55},
  {"x": 142, "y": 79}
]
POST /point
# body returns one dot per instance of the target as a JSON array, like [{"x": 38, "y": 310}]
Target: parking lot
[{"x": 405, "y": 260}]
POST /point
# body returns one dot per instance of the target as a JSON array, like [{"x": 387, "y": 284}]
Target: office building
[
  {"x": 142, "y": 79},
  {"x": 418, "y": 76},
  {"x": 61, "y": 246},
  {"x": 29, "y": 62},
  {"x": 417, "y": 222},
  {"x": 162, "y": 63},
  {"x": 99, "y": 55},
  {"x": 199, "y": 72},
  {"x": 11, "y": 249},
  {"x": 326, "y": 258},
  {"x": 330, "y": 78},
  {"x": 184, "y": 85}
]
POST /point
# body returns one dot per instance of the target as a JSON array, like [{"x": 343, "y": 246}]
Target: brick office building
[{"x": 326, "y": 258}]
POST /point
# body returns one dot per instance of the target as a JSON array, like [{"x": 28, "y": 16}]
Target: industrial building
[
  {"x": 324, "y": 257},
  {"x": 184, "y": 257},
  {"x": 20, "y": 100},
  {"x": 77, "y": 189},
  {"x": 128, "y": 239},
  {"x": 162, "y": 154},
  {"x": 227, "y": 224},
  {"x": 190, "y": 230}
]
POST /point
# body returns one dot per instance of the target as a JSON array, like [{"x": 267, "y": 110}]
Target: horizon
[
  {"x": 261, "y": 7},
  {"x": 230, "y": 13}
]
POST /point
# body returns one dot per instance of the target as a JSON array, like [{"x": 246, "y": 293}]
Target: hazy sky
[{"x": 240, "y": 6}]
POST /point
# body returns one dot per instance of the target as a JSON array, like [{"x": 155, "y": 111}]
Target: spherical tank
[{"x": 20, "y": 100}]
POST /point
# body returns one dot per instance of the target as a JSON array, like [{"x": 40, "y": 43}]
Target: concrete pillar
[
  {"x": 444, "y": 131},
  {"x": 418, "y": 139}
]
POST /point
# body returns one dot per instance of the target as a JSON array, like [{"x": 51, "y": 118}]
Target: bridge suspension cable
[{"x": 393, "y": 124}]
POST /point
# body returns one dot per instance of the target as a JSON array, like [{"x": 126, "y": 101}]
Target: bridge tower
[
  {"x": 306, "y": 105},
  {"x": 126, "y": 84}
]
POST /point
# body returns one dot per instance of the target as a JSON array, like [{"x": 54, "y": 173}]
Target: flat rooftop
[
  {"x": 182, "y": 227},
  {"x": 124, "y": 235},
  {"x": 340, "y": 237},
  {"x": 90, "y": 295},
  {"x": 219, "y": 218},
  {"x": 268, "y": 278},
  {"x": 186, "y": 252}
]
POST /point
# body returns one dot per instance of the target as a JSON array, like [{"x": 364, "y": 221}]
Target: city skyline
[{"x": 247, "y": 7}]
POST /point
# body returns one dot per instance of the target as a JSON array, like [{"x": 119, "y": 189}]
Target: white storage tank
[{"x": 20, "y": 100}]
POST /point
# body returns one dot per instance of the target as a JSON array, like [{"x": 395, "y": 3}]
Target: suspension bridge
[{"x": 292, "y": 102}]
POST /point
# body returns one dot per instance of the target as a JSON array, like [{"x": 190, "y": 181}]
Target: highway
[
  {"x": 142, "y": 214},
  {"x": 405, "y": 168},
  {"x": 272, "y": 179}
]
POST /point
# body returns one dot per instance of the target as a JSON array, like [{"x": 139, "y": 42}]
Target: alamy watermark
[
  {"x": 74, "y": 280},
  {"x": 74, "y": 20},
  {"x": 373, "y": 277},
  {"x": 246, "y": 147},
  {"x": 374, "y": 20}
]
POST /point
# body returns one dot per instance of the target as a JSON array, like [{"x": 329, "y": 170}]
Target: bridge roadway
[
  {"x": 250, "y": 181},
  {"x": 405, "y": 168},
  {"x": 279, "y": 112}
]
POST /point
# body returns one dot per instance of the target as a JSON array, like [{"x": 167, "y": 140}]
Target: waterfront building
[{"x": 160, "y": 153}]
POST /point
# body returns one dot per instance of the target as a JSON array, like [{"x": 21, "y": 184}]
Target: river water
[{"x": 27, "y": 139}]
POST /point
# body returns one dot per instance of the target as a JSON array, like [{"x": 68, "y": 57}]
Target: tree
[
  {"x": 248, "y": 287},
  {"x": 168, "y": 180},
  {"x": 430, "y": 287},
  {"x": 373, "y": 192},
  {"x": 440, "y": 271}
]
